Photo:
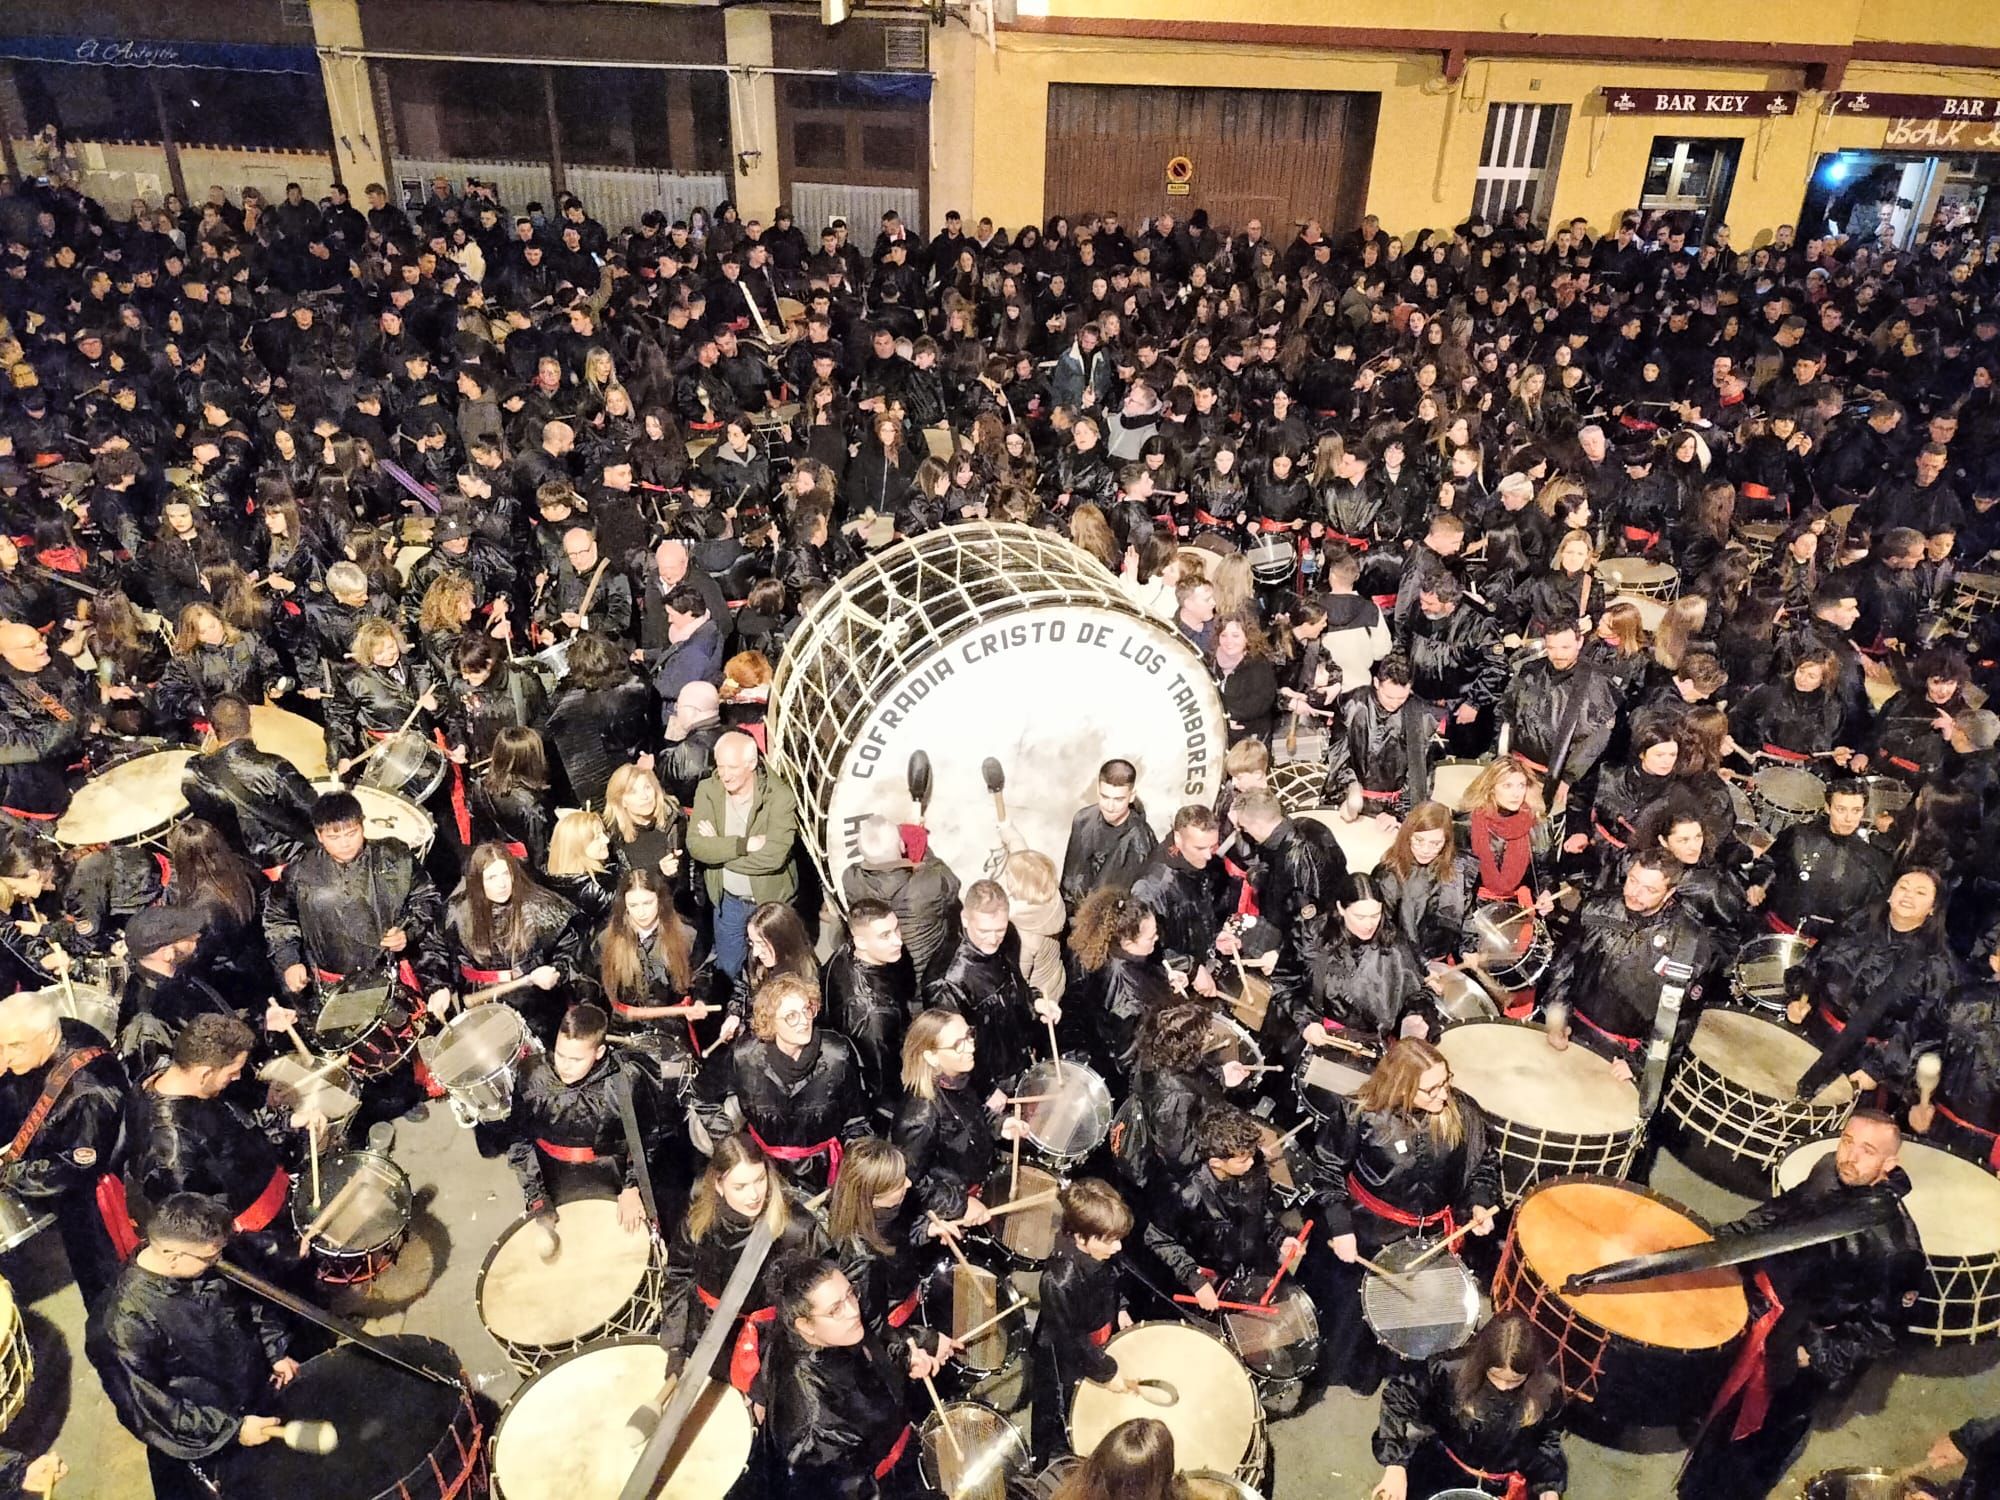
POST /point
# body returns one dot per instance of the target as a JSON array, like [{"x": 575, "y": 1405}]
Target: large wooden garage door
[{"x": 1281, "y": 155}]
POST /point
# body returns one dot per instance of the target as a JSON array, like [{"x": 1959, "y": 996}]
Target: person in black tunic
[
  {"x": 981, "y": 979},
  {"x": 1208, "y": 1225},
  {"x": 881, "y": 1236},
  {"x": 566, "y": 1135},
  {"x": 945, "y": 1131},
  {"x": 185, "y": 1356},
  {"x": 1109, "y": 841},
  {"x": 871, "y": 991},
  {"x": 1484, "y": 1418},
  {"x": 1081, "y": 1308}
]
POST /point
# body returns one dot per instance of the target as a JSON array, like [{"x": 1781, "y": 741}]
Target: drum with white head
[
  {"x": 385, "y": 815},
  {"x": 1638, "y": 577},
  {"x": 1784, "y": 795},
  {"x": 278, "y": 731},
  {"x": 1070, "y": 1113},
  {"x": 1734, "y": 1096},
  {"x": 1511, "y": 942},
  {"x": 601, "y": 1280},
  {"x": 1364, "y": 840},
  {"x": 979, "y": 1458},
  {"x": 982, "y": 641},
  {"x": 1199, "y": 1389},
  {"x": 1451, "y": 779},
  {"x": 1956, "y": 1206},
  {"x": 476, "y": 1059},
  {"x": 1757, "y": 978},
  {"x": 133, "y": 802}
]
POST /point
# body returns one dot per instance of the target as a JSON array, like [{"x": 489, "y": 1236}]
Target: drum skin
[
  {"x": 605, "y": 1280},
  {"x": 17, "y": 1357},
  {"x": 1955, "y": 1204},
  {"x": 129, "y": 801},
  {"x": 1645, "y": 1353},
  {"x": 1029, "y": 1236},
  {"x": 1216, "y": 1423},
  {"x": 563, "y": 1436},
  {"x": 1732, "y": 1101}
]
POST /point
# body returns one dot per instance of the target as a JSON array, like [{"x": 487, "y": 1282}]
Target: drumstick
[
  {"x": 299, "y": 1042},
  {"x": 1389, "y": 1276},
  {"x": 713, "y": 1045},
  {"x": 1440, "y": 1247},
  {"x": 1055, "y": 1051},
  {"x": 312, "y": 1152},
  {"x": 1015, "y": 1205},
  {"x": 1930, "y": 1068},
  {"x": 962, "y": 1339},
  {"x": 1242, "y": 1307},
  {"x": 1158, "y": 1392},
  {"x": 1014, "y": 1168},
  {"x": 1285, "y": 1263},
  {"x": 1274, "y": 1147},
  {"x": 950, "y": 1238},
  {"x": 1028, "y": 1098},
  {"x": 1340, "y": 1045},
  {"x": 995, "y": 776},
  {"x": 375, "y": 749},
  {"x": 326, "y": 1215},
  {"x": 930, "y": 1388}
]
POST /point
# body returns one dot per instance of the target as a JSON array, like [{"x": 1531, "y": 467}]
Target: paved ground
[{"x": 1322, "y": 1452}]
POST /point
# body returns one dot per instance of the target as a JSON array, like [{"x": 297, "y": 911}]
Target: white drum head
[
  {"x": 1363, "y": 841},
  {"x": 300, "y": 741},
  {"x": 527, "y": 1300},
  {"x": 1651, "y": 611},
  {"x": 1759, "y": 1055},
  {"x": 1513, "y": 1073},
  {"x": 1214, "y": 1421},
  {"x": 385, "y": 815},
  {"x": 126, "y": 801},
  {"x": 1450, "y": 780},
  {"x": 1955, "y": 1202}
]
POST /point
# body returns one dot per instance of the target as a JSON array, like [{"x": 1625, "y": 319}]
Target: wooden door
[{"x": 1279, "y": 155}]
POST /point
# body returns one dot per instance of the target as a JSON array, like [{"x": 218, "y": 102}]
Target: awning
[{"x": 141, "y": 52}]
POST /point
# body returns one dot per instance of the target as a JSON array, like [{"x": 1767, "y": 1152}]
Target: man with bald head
[
  {"x": 81, "y": 1137},
  {"x": 741, "y": 834},
  {"x": 673, "y": 567},
  {"x": 588, "y": 592},
  {"x": 43, "y": 721},
  {"x": 694, "y": 724}
]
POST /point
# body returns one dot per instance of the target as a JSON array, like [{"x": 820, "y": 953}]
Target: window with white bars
[{"x": 1518, "y": 161}]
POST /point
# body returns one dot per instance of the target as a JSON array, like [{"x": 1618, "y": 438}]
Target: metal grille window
[{"x": 1517, "y": 163}]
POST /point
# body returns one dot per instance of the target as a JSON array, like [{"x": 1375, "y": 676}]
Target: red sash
[
  {"x": 830, "y": 1148},
  {"x": 1383, "y": 1209},
  {"x": 260, "y": 1214},
  {"x": 1789, "y": 757},
  {"x": 1514, "y": 1479},
  {"x": 1992, "y": 1155},
  {"x": 1099, "y": 1337},
  {"x": 576, "y": 1156},
  {"x": 1749, "y": 1374},
  {"x": 513, "y": 846},
  {"x": 1642, "y": 536},
  {"x": 895, "y": 1455},
  {"x": 1629, "y": 1043},
  {"x": 1751, "y": 490},
  {"x": 16, "y": 812},
  {"x": 746, "y": 1356},
  {"x": 1779, "y": 925},
  {"x": 117, "y": 1217},
  {"x": 905, "y": 1310},
  {"x": 461, "y": 812},
  {"x": 488, "y": 976},
  {"x": 1826, "y": 1014}
]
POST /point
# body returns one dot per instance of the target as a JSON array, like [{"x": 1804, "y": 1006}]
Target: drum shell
[
  {"x": 385, "y": 1043},
  {"x": 995, "y": 1452},
  {"x": 991, "y": 1352},
  {"x": 1064, "y": 1130},
  {"x": 1289, "y": 1363},
  {"x": 488, "y": 1096},
  {"x": 1766, "y": 947},
  {"x": 1512, "y": 966},
  {"x": 17, "y": 1357},
  {"x": 1638, "y": 1384},
  {"x": 407, "y": 765},
  {"x": 1738, "y": 1146},
  {"x": 1782, "y": 799},
  {"x": 1028, "y": 1237},
  {"x": 350, "y": 1265},
  {"x": 1315, "y": 1099}
]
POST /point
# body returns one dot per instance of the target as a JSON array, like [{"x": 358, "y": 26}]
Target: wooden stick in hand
[
  {"x": 1014, "y": 1206},
  {"x": 1440, "y": 1247},
  {"x": 930, "y": 1389}
]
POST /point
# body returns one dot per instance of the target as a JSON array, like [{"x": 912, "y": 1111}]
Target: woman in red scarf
[{"x": 1514, "y": 847}]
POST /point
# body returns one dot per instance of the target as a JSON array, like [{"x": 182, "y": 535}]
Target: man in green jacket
[{"x": 742, "y": 832}]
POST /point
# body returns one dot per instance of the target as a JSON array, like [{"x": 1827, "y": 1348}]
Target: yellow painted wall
[{"x": 1428, "y": 135}]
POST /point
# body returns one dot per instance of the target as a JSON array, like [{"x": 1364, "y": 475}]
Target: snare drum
[
  {"x": 1280, "y": 1347},
  {"x": 1634, "y": 575},
  {"x": 1648, "y": 1352},
  {"x": 981, "y": 1456},
  {"x": 1215, "y": 1417},
  {"x": 372, "y": 1023},
  {"x": 603, "y": 1282},
  {"x": 1759, "y": 539},
  {"x": 133, "y": 802},
  {"x": 1071, "y": 1115},
  {"x": 1956, "y": 1206},
  {"x": 1757, "y": 978},
  {"x": 17, "y": 1358},
  {"x": 1552, "y": 1113},
  {"x": 321, "y": 1083},
  {"x": 956, "y": 1296},
  {"x": 369, "y": 1224},
  {"x": 564, "y": 1432},
  {"x": 1229, "y": 1041},
  {"x": 384, "y": 815},
  {"x": 1274, "y": 560},
  {"x": 1978, "y": 595},
  {"x": 1512, "y": 942},
  {"x": 1425, "y": 1312},
  {"x": 1029, "y": 1236},
  {"x": 1735, "y": 1098},
  {"x": 1886, "y": 797},
  {"x": 402, "y": 1437},
  {"x": 476, "y": 1059},
  {"x": 1363, "y": 840},
  {"x": 408, "y": 764},
  {"x": 1784, "y": 795},
  {"x": 1324, "y": 1079}
]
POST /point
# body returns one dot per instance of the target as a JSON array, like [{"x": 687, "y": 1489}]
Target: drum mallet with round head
[
  {"x": 918, "y": 777},
  {"x": 310, "y": 1437},
  {"x": 1930, "y": 1068},
  {"x": 995, "y": 776}
]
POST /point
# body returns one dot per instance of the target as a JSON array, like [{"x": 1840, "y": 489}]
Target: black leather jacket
[
  {"x": 1605, "y": 971},
  {"x": 871, "y": 1004},
  {"x": 1456, "y": 659},
  {"x": 42, "y": 722},
  {"x": 1420, "y": 1406},
  {"x": 990, "y": 992},
  {"x": 1814, "y": 873},
  {"x": 581, "y": 1116},
  {"x": 1399, "y": 1160},
  {"x": 1099, "y": 854},
  {"x": 788, "y": 1103},
  {"x": 1431, "y": 907},
  {"x": 1543, "y": 705},
  {"x": 258, "y": 800},
  {"x": 1189, "y": 904},
  {"x": 1372, "y": 747},
  {"x": 331, "y": 916},
  {"x": 948, "y": 1146},
  {"x": 1200, "y": 1221}
]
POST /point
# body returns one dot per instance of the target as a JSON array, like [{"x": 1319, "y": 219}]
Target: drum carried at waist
[
  {"x": 1071, "y": 1113},
  {"x": 1757, "y": 978},
  {"x": 958, "y": 1295},
  {"x": 1029, "y": 1236},
  {"x": 1734, "y": 1097},
  {"x": 1553, "y": 1113},
  {"x": 362, "y": 1216},
  {"x": 1510, "y": 942},
  {"x": 17, "y": 1358},
  {"x": 371, "y": 1022},
  {"x": 476, "y": 1059},
  {"x": 1429, "y": 1309},
  {"x": 1646, "y": 1353},
  {"x": 1363, "y": 840},
  {"x": 979, "y": 1458},
  {"x": 1784, "y": 795},
  {"x": 1210, "y": 1405},
  {"x": 1279, "y": 1346},
  {"x": 132, "y": 802},
  {"x": 1955, "y": 1204},
  {"x": 408, "y": 764},
  {"x": 564, "y": 1434},
  {"x": 1636, "y": 576},
  {"x": 601, "y": 1280}
]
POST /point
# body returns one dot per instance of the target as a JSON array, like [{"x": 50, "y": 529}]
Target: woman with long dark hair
[
  {"x": 1367, "y": 980},
  {"x": 502, "y": 925},
  {"x": 1428, "y": 883},
  {"x": 646, "y": 965},
  {"x": 509, "y": 803},
  {"x": 207, "y": 877},
  {"x": 1134, "y": 1461},
  {"x": 1485, "y": 1417},
  {"x": 602, "y": 716}
]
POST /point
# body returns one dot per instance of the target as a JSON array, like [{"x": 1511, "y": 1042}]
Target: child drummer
[{"x": 1081, "y": 1306}]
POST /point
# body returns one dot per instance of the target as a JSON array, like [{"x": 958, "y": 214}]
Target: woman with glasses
[
  {"x": 1409, "y": 1156},
  {"x": 946, "y": 1132}
]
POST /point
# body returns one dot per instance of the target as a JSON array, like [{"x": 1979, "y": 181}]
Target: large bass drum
[{"x": 975, "y": 643}]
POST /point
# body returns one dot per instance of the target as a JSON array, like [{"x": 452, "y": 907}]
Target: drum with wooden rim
[
  {"x": 1647, "y": 1352},
  {"x": 601, "y": 1281},
  {"x": 1734, "y": 1097},
  {"x": 133, "y": 802},
  {"x": 1195, "y": 1385},
  {"x": 1028, "y": 1236}
]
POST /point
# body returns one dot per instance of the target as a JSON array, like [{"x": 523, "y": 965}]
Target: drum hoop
[
  {"x": 651, "y": 1277},
  {"x": 1525, "y": 1127},
  {"x": 1094, "y": 1089}
]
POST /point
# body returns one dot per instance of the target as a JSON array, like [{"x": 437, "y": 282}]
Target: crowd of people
[{"x": 519, "y": 512}]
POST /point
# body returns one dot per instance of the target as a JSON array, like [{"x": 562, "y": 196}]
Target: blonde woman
[
  {"x": 211, "y": 658},
  {"x": 1235, "y": 586},
  {"x": 945, "y": 1130},
  {"x": 1034, "y": 902},
  {"x": 377, "y": 694},
  {"x": 1508, "y": 834},
  {"x": 579, "y": 867},
  {"x": 872, "y": 1219},
  {"x": 740, "y": 1186},
  {"x": 645, "y": 824}
]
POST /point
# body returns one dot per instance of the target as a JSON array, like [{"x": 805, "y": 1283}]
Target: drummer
[
  {"x": 796, "y": 1086},
  {"x": 1429, "y": 883},
  {"x": 1295, "y": 866},
  {"x": 1209, "y": 1225},
  {"x": 185, "y": 1356},
  {"x": 1408, "y": 1155},
  {"x": 1560, "y": 704},
  {"x": 1824, "y": 870},
  {"x": 1191, "y": 892},
  {"x": 944, "y": 1130},
  {"x": 501, "y": 926},
  {"x": 1380, "y": 745},
  {"x": 162, "y": 990},
  {"x": 646, "y": 968},
  {"x": 1487, "y": 1415},
  {"x": 1367, "y": 981},
  {"x": 1608, "y": 972},
  {"x": 740, "y": 1186},
  {"x": 878, "y": 1229},
  {"x": 871, "y": 992},
  {"x": 1114, "y": 944},
  {"x": 566, "y": 1137},
  {"x": 259, "y": 800},
  {"x": 837, "y": 1397},
  {"x": 1962, "y": 1032},
  {"x": 981, "y": 979},
  {"x": 186, "y": 1137},
  {"x": 1081, "y": 1305},
  {"x": 1174, "y": 1085},
  {"x": 44, "y": 720},
  {"x": 1823, "y": 1314}
]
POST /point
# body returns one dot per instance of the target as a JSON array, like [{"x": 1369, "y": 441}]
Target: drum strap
[
  {"x": 1383, "y": 1209},
  {"x": 830, "y": 1148},
  {"x": 260, "y": 1213},
  {"x": 895, "y": 1454},
  {"x": 1779, "y": 925},
  {"x": 905, "y": 1310},
  {"x": 1993, "y": 1155},
  {"x": 58, "y": 1080},
  {"x": 1514, "y": 1479},
  {"x": 1749, "y": 1374}
]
